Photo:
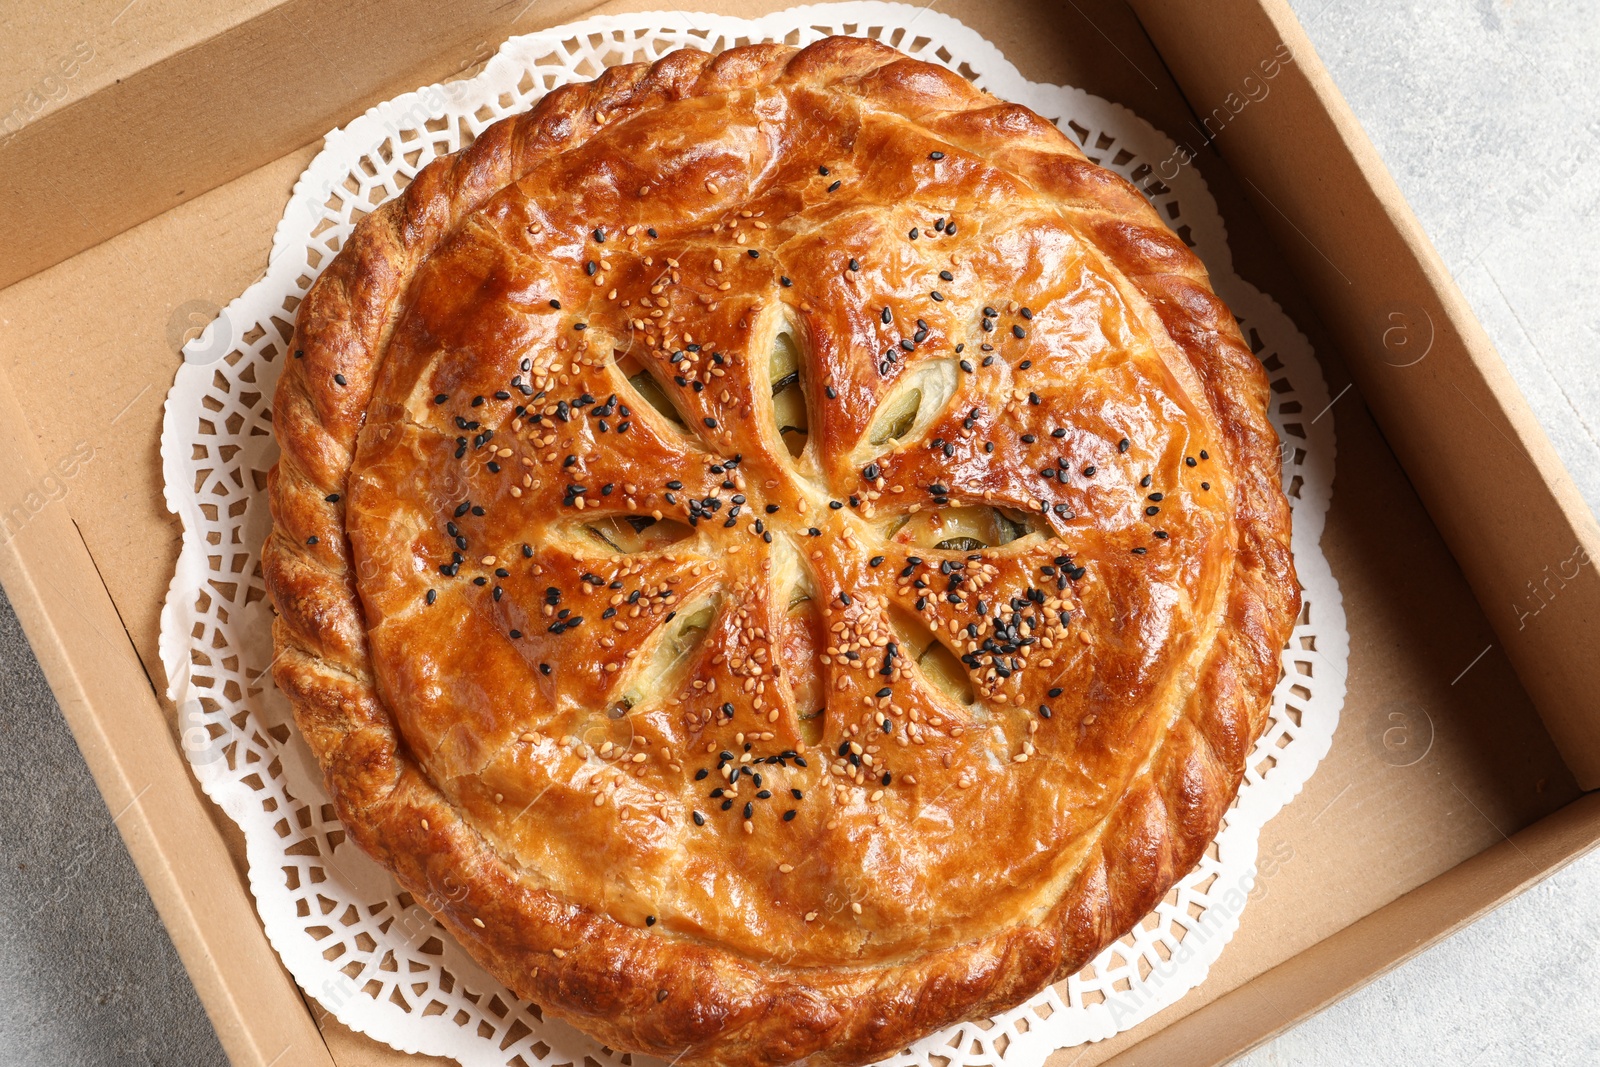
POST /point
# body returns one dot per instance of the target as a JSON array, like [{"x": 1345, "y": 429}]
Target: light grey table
[{"x": 1488, "y": 114}]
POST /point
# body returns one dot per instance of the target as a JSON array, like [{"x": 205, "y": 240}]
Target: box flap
[{"x": 98, "y": 162}]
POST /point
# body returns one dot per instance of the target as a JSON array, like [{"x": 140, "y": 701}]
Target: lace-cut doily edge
[{"x": 1255, "y": 806}]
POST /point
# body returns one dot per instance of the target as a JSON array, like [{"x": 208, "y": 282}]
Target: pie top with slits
[{"x": 779, "y": 552}]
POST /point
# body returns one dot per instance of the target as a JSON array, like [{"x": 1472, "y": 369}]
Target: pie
[{"x": 777, "y": 551}]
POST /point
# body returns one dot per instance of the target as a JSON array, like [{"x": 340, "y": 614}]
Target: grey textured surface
[
  {"x": 1488, "y": 114},
  {"x": 87, "y": 974}
]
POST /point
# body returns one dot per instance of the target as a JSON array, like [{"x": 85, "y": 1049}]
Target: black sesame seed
[
  {"x": 936, "y": 156},
  {"x": 340, "y": 379},
  {"x": 835, "y": 187}
]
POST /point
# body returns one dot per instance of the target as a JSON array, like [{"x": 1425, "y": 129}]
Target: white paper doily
[{"x": 369, "y": 953}]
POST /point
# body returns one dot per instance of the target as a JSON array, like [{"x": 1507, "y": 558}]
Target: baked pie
[{"x": 777, "y": 551}]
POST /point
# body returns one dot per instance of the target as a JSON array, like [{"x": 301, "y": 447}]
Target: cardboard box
[{"x": 1463, "y": 551}]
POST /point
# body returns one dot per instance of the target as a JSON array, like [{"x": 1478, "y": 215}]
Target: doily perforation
[{"x": 369, "y": 953}]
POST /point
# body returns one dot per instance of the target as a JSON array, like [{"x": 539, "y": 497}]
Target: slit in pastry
[
  {"x": 939, "y": 666},
  {"x": 910, "y": 406},
  {"x": 630, "y": 534},
  {"x": 789, "y": 412}
]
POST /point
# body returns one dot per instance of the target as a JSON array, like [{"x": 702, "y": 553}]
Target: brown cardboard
[{"x": 1371, "y": 862}]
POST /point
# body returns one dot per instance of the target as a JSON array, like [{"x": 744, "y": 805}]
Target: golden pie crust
[{"x": 740, "y": 728}]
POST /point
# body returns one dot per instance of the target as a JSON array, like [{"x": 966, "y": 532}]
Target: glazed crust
[{"x": 533, "y": 780}]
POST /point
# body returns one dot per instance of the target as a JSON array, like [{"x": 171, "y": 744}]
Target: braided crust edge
[{"x": 635, "y": 989}]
